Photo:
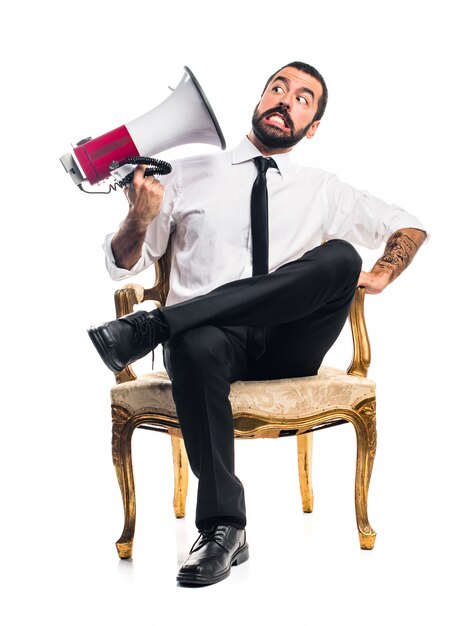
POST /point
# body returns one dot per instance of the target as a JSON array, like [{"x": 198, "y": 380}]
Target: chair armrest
[
  {"x": 124, "y": 300},
  {"x": 126, "y": 297},
  {"x": 361, "y": 345}
]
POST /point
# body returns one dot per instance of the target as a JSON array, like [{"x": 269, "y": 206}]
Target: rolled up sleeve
[
  {"x": 157, "y": 235},
  {"x": 119, "y": 273},
  {"x": 361, "y": 218}
]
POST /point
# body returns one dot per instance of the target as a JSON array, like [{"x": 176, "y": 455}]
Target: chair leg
[
  {"x": 305, "y": 471},
  {"x": 180, "y": 475},
  {"x": 122, "y": 459},
  {"x": 366, "y": 450}
]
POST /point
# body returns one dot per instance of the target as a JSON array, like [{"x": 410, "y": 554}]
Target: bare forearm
[
  {"x": 127, "y": 243},
  {"x": 145, "y": 195},
  {"x": 400, "y": 249}
]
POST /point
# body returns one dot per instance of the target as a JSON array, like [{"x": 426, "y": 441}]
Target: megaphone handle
[
  {"x": 158, "y": 167},
  {"x": 161, "y": 168}
]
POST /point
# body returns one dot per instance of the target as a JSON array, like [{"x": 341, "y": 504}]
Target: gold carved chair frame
[{"x": 247, "y": 424}]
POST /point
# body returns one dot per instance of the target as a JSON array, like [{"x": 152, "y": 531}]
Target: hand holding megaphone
[
  {"x": 184, "y": 117},
  {"x": 145, "y": 195}
]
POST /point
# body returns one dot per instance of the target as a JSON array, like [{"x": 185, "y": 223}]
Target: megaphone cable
[{"x": 161, "y": 168}]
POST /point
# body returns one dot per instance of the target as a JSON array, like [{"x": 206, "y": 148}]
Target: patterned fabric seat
[{"x": 256, "y": 404}]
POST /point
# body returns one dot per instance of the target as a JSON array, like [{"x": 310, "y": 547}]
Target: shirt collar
[{"x": 246, "y": 151}]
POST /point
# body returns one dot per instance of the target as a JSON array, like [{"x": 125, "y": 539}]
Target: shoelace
[
  {"x": 147, "y": 326},
  {"x": 213, "y": 533}
]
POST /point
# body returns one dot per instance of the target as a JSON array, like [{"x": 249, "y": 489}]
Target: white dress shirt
[{"x": 207, "y": 209}]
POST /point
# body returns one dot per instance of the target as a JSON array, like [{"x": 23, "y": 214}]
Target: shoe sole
[
  {"x": 198, "y": 580},
  {"x": 101, "y": 348}
]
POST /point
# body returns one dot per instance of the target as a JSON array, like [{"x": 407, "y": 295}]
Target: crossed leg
[{"x": 301, "y": 307}]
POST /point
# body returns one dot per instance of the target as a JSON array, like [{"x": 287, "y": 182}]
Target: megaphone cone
[{"x": 184, "y": 117}]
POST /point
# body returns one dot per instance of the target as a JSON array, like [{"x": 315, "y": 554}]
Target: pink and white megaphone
[{"x": 184, "y": 117}]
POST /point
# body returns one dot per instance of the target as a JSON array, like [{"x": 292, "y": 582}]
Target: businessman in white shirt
[{"x": 253, "y": 292}]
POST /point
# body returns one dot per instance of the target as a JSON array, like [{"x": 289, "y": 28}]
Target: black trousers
[{"x": 277, "y": 325}]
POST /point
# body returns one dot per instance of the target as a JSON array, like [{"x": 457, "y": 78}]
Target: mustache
[{"x": 281, "y": 111}]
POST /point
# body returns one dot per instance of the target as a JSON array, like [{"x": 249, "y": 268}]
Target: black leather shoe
[
  {"x": 127, "y": 339},
  {"x": 216, "y": 550}
]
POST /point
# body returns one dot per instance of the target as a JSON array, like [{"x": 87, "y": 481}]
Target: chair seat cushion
[{"x": 285, "y": 398}]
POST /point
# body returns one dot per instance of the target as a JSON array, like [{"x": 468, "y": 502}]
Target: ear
[{"x": 312, "y": 130}]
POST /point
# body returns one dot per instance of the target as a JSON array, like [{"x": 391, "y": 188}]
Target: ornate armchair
[{"x": 273, "y": 408}]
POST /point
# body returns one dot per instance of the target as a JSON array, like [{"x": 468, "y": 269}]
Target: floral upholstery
[{"x": 285, "y": 398}]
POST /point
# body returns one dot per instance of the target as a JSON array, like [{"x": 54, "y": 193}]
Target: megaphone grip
[
  {"x": 161, "y": 168},
  {"x": 158, "y": 167}
]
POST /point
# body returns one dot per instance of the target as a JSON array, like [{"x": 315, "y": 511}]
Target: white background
[{"x": 397, "y": 124}]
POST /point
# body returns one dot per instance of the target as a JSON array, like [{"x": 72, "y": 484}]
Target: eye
[
  {"x": 278, "y": 89},
  {"x": 302, "y": 100}
]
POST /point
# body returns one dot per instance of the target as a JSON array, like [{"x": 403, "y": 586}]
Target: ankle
[
  {"x": 224, "y": 520},
  {"x": 164, "y": 330}
]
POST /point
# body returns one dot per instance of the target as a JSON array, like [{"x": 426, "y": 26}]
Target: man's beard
[{"x": 273, "y": 137}]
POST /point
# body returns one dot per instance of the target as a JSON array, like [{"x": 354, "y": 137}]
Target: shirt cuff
[
  {"x": 119, "y": 273},
  {"x": 409, "y": 222}
]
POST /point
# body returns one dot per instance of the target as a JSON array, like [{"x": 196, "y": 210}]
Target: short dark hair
[{"x": 307, "y": 69}]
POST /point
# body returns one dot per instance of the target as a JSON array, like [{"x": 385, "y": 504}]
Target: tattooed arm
[{"x": 399, "y": 252}]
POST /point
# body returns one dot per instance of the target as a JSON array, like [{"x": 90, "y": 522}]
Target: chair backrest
[{"x": 129, "y": 296}]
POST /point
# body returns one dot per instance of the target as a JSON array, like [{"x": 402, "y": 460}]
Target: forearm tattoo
[{"x": 399, "y": 252}]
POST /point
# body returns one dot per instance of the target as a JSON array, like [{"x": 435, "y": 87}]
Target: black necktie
[{"x": 259, "y": 217}]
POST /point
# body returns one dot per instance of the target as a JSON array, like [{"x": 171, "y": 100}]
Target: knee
[
  {"x": 343, "y": 256},
  {"x": 194, "y": 349}
]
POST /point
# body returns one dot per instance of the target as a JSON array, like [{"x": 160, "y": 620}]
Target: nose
[{"x": 284, "y": 104}]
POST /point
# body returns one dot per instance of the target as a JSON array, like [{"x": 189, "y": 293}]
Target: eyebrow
[{"x": 288, "y": 83}]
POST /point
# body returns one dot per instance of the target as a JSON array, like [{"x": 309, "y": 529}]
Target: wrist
[
  {"x": 382, "y": 273},
  {"x": 136, "y": 223}
]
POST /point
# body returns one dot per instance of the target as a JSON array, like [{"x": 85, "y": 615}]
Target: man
[{"x": 248, "y": 299}]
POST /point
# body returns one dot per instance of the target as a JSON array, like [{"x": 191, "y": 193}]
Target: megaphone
[{"x": 184, "y": 117}]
